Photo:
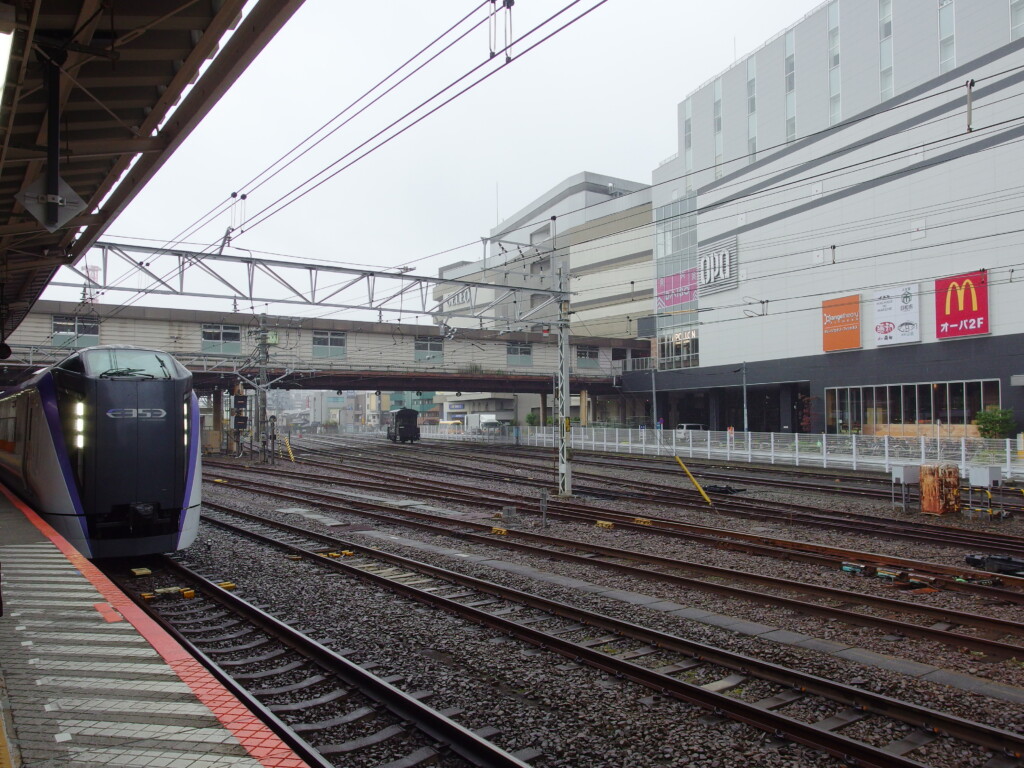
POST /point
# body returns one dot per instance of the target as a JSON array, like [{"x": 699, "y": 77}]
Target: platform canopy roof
[{"x": 121, "y": 84}]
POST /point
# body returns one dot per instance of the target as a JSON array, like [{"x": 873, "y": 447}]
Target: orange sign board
[{"x": 840, "y": 323}]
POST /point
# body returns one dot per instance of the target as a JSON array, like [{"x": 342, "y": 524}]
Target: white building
[
  {"x": 592, "y": 234},
  {"x": 839, "y": 229}
]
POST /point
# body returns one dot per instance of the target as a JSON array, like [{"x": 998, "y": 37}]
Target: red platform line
[{"x": 260, "y": 742}]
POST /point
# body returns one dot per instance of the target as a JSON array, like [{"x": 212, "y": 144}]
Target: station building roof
[{"x": 127, "y": 83}]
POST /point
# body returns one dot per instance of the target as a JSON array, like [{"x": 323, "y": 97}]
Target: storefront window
[
  {"x": 910, "y": 409},
  {"x": 909, "y": 404}
]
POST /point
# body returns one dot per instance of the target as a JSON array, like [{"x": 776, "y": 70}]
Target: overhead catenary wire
[
  {"x": 300, "y": 149},
  {"x": 314, "y": 182},
  {"x": 765, "y": 151},
  {"x": 546, "y": 38}
]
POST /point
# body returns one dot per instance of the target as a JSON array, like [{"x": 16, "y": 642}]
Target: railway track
[
  {"x": 330, "y": 709},
  {"x": 670, "y": 666},
  {"x": 951, "y": 578},
  {"x": 983, "y": 633},
  {"x": 672, "y": 496}
]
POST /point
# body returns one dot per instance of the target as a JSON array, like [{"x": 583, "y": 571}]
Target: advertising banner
[
  {"x": 961, "y": 305},
  {"x": 898, "y": 315},
  {"x": 677, "y": 289},
  {"x": 840, "y": 323}
]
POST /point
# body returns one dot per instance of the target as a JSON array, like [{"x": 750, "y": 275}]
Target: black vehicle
[{"x": 402, "y": 425}]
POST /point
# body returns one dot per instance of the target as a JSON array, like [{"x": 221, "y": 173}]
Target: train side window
[{"x": 73, "y": 364}]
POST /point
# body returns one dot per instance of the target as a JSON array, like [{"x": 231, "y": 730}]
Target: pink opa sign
[{"x": 677, "y": 289}]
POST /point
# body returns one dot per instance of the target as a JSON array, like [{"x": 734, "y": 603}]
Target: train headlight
[{"x": 79, "y": 425}]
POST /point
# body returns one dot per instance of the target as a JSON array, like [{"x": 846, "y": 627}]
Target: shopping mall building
[
  {"x": 836, "y": 246},
  {"x": 841, "y": 229}
]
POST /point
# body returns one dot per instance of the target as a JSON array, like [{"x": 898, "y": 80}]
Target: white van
[{"x": 690, "y": 427}]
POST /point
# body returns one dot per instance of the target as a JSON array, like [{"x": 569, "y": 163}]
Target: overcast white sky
[{"x": 599, "y": 96}]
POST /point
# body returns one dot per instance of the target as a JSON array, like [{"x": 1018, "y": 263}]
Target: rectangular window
[
  {"x": 910, "y": 410},
  {"x": 70, "y": 331},
  {"x": 1016, "y": 19},
  {"x": 885, "y": 82},
  {"x": 519, "y": 354},
  {"x": 329, "y": 344},
  {"x": 677, "y": 348},
  {"x": 884, "y": 19},
  {"x": 947, "y": 38},
  {"x": 688, "y": 141},
  {"x": 719, "y": 151},
  {"x": 222, "y": 339},
  {"x": 751, "y": 109},
  {"x": 834, "y": 80},
  {"x": 429, "y": 349},
  {"x": 790, "y": 86},
  {"x": 587, "y": 357}
]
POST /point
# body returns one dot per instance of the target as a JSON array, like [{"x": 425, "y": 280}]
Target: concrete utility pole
[{"x": 564, "y": 411}]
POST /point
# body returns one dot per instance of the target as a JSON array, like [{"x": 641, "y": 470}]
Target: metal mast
[
  {"x": 564, "y": 465},
  {"x": 263, "y": 357}
]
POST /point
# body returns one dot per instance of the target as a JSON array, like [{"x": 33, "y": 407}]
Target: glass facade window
[
  {"x": 934, "y": 409},
  {"x": 719, "y": 142},
  {"x": 947, "y": 37},
  {"x": 429, "y": 349},
  {"x": 834, "y": 80},
  {"x": 1016, "y": 19},
  {"x": 751, "y": 109},
  {"x": 70, "y": 331},
  {"x": 885, "y": 79},
  {"x": 688, "y": 140},
  {"x": 790, "y": 86},
  {"x": 519, "y": 353},
  {"x": 221, "y": 339},
  {"x": 331, "y": 344},
  {"x": 587, "y": 357},
  {"x": 675, "y": 252}
]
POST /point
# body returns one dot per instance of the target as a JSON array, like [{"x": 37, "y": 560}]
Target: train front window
[{"x": 136, "y": 363}]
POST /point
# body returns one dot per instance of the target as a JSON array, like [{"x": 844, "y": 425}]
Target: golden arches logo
[{"x": 961, "y": 289}]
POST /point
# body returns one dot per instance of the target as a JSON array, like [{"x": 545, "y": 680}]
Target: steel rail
[
  {"x": 843, "y": 521},
  {"x": 426, "y": 719},
  {"x": 932, "y": 721},
  {"x": 723, "y": 538},
  {"x": 955, "y": 639}
]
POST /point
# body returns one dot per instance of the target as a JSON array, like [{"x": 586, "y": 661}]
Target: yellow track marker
[{"x": 695, "y": 483}]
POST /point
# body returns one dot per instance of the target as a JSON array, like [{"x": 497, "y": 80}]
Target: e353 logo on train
[{"x": 136, "y": 413}]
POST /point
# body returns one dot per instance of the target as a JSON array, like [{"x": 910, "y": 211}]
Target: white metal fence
[{"x": 862, "y": 452}]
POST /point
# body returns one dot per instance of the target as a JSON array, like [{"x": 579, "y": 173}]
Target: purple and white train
[{"x": 105, "y": 446}]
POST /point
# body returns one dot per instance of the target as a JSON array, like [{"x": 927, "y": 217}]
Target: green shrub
[{"x": 996, "y": 423}]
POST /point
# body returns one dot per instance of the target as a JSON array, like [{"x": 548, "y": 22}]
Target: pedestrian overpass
[{"x": 220, "y": 348}]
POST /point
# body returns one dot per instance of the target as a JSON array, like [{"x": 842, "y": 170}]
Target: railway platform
[{"x": 86, "y": 679}]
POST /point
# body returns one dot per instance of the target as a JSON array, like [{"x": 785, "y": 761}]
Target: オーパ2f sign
[{"x": 961, "y": 305}]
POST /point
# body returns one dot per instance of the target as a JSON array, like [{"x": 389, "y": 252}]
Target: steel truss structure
[{"x": 171, "y": 272}]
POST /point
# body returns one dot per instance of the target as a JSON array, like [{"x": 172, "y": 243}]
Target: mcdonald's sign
[{"x": 961, "y": 305}]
